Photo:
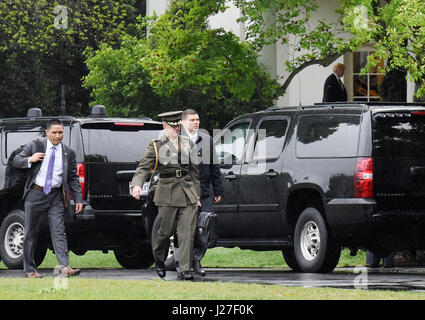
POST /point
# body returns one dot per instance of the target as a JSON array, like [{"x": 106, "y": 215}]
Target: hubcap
[
  {"x": 14, "y": 240},
  {"x": 310, "y": 241}
]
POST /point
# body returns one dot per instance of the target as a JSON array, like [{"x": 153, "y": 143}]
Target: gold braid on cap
[{"x": 174, "y": 123}]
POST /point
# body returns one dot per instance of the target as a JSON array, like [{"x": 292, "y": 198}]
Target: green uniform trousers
[{"x": 184, "y": 219}]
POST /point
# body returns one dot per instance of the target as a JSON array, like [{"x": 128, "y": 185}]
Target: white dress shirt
[
  {"x": 193, "y": 136},
  {"x": 40, "y": 179}
]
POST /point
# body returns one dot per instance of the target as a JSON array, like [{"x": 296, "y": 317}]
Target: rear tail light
[
  {"x": 81, "y": 171},
  {"x": 418, "y": 113},
  {"x": 363, "y": 178}
]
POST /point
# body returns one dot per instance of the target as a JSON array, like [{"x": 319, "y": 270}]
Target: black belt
[
  {"x": 178, "y": 173},
  {"x": 41, "y": 188}
]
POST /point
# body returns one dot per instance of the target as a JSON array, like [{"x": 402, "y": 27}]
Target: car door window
[
  {"x": 270, "y": 139},
  {"x": 230, "y": 145}
]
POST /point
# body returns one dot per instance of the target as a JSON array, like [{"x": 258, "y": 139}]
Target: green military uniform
[{"x": 176, "y": 195}]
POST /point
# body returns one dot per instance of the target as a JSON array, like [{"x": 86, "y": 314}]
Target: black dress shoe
[
  {"x": 185, "y": 275},
  {"x": 196, "y": 265},
  {"x": 160, "y": 269}
]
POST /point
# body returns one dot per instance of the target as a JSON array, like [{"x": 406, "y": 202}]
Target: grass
[
  {"x": 214, "y": 258},
  {"x": 96, "y": 289},
  {"x": 103, "y": 289}
]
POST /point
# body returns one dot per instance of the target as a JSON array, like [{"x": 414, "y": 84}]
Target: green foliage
[
  {"x": 41, "y": 50},
  {"x": 181, "y": 64},
  {"x": 397, "y": 29}
]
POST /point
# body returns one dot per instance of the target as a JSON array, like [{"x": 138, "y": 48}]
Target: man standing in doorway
[
  {"x": 52, "y": 170},
  {"x": 334, "y": 90}
]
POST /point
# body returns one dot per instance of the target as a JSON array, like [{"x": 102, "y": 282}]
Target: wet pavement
[{"x": 344, "y": 278}]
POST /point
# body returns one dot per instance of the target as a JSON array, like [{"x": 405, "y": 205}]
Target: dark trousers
[
  {"x": 182, "y": 220},
  {"x": 207, "y": 205},
  {"x": 373, "y": 260},
  {"x": 38, "y": 206}
]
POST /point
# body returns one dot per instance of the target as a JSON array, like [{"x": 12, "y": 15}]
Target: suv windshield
[
  {"x": 399, "y": 134},
  {"x": 117, "y": 142}
]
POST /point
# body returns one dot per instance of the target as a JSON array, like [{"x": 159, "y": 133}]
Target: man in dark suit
[
  {"x": 52, "y": 171},
  {"x": 334, "y": 90},
  {"x": 209, "y": 171}
]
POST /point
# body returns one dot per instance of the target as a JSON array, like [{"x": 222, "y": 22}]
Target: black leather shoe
[
  {"x": 196, "y": 265},
  {"x": 185, "y": 275},
  {"x": 160, "y": 269}
]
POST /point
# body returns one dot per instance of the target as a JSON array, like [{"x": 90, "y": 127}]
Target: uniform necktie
[{"x": 48, "y": 184}]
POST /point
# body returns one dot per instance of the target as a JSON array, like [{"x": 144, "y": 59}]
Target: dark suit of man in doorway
[
  {"x": 334, "y": 90},
  {"x": 52, "y": 171}
]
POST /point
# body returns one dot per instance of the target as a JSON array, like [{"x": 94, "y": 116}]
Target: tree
[
  {"x": 42, "y": 44},
  {"x": 182, "y": 54},
  {"x": 182, "y": 64},
  {"x": 183, "y": 51},
  {"x": 397, "y": 30}
]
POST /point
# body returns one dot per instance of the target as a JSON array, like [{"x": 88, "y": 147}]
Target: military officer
[{"x": 177, "y": 194}]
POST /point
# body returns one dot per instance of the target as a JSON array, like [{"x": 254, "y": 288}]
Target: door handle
[
  {"x": 271, "y": 174},
  {"x": 230, "y": 176},
  {"x": 417, "y": 171}
]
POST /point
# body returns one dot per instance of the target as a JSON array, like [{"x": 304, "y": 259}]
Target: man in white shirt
[{"x": 52, "y": 170}]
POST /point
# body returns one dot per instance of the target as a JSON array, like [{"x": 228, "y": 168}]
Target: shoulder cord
[{"x": 156, "y": 156}]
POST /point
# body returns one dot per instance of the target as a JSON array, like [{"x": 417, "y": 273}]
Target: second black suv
[
  {"x": 311, "y": 180},
  {"x": 108, "y": 150}
]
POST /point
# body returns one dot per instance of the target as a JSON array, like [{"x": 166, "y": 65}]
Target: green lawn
[
  {"x": 214, "y": 258},
  {"x": 97, "y": 289}
]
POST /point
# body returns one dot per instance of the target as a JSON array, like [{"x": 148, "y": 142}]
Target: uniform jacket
[
  {"x": 209, "y": 169},
  {"x": 332, "y": 91},
  {"x": 70, "y": 179},
  {"x": 171, "y": 191}
]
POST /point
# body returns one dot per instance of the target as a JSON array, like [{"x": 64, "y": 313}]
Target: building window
[{"x": 365, "y": 87}]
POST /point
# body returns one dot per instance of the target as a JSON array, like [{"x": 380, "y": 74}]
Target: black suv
[
  {"x": 108, "y": 151},
  {"x": 311, "y": 180}
]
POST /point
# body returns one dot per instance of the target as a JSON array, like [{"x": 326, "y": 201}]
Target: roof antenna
[{"x": 299, "y": 87}]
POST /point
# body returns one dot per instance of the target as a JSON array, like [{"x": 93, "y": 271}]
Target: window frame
[
  {"x": 217, "y": 140},
  {"x": 254, "y": 139}
]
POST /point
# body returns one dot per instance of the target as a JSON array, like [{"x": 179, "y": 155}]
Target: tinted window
[
  {"x": 230, "y": 146},
  {"x": 270, "y": 139},
  {"x": 327, "y": 136},
  {"x": 109, "y": 142},
  {"x": 399, "y": 136},
  {"x": 15, "y": 139}
]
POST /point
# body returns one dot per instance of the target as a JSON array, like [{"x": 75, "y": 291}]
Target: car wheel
[
  {"x": 291, "y": 261},
  {"x": 12, "y": 241},
  {"x": 135, "y": 258},
  {"x": 314, "y": 247}
]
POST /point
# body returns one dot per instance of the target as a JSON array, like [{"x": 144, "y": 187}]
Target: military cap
[{"x": 173, "y": 118}]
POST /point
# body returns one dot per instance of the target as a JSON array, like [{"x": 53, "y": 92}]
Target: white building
[{"x": 306, "y": 87}]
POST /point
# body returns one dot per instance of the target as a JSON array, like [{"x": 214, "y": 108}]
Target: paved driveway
[{"x": 349, "y": 278}]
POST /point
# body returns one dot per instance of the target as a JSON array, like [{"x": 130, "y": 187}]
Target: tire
[
  {"x": 170, "y": 262},
  {"x": 314, "y": 247},
  {"x": 12, "y": 241},
  {"x": 135, "y": 258},
  {"x": 291, "y": 261}
]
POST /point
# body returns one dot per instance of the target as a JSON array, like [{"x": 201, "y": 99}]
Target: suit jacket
[
  {"x": 332, "y": 91},
  {"x": 209, "y": 169},
  {"x": 70, "y": 179},
  {"x": 171, "y": 191}
]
